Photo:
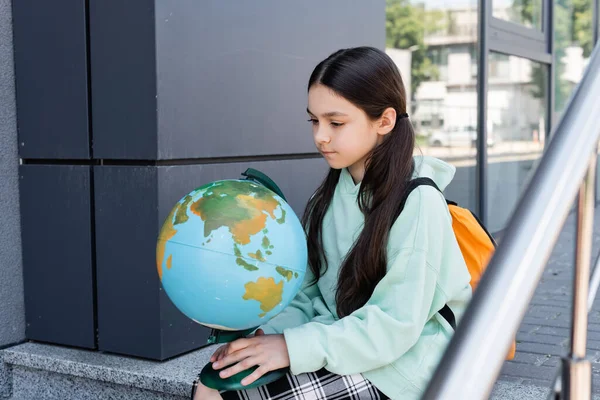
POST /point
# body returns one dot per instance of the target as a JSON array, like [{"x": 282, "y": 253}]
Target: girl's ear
[{"x": 386, "y": 122}]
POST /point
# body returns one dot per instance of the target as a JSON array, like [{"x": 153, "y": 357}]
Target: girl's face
[{"x": 343, "y": 133}]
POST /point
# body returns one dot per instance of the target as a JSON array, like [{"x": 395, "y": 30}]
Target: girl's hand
[
  {"x": 219, "y": 353},
  {"x": 223, "y": 350},
  {"x": 269, "y": 352}
]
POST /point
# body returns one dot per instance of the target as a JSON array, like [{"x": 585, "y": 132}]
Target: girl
[{"x": 366, "y": 324}]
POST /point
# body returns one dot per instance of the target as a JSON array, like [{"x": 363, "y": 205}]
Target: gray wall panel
[
  {"x": 51, "y": 78},
  {"x": 127, "y": 282},
  {"x": 134, "y": 316},
  {"x": 57, "y": 254},
  {"x": 213, "y": 78},
  {"x": 232, "y": 75},
  {"x": 12, "y": 309},
  {"x": 123, "y": 79}
]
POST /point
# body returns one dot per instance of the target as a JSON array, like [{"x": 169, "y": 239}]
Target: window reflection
[
  {"x": 517, "y": 120},
  {"x": 573, "y": 44},
  {"x": 522, "y": 12},
  {"x": 434, "y": 45}
]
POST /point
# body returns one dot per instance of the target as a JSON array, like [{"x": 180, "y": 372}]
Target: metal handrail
[{"x": 477, "y": 351}]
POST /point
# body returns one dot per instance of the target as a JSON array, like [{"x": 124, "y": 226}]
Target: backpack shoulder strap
[
  {"x": 412, "y": 185},
  {"x": 445, "y": 312},
  {"x": 448, "y": 315}
]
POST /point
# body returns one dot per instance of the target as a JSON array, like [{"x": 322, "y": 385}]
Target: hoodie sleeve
[
  {"x": 300, "y": 311},
  {"x": 392, "y": 320}
]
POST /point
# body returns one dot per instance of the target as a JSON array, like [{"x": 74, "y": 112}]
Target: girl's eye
[
  {"x": 337, "y": 124},
  {"x": 313, "y": 121}
]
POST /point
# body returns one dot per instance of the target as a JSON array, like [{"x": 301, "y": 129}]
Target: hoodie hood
[
  {"x": 437, "y": 170},
  {"x": 425, "y": 167}
]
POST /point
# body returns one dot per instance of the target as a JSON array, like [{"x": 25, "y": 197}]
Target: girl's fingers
[
  {"x": 259, "y": 332},
  {"x": 260, "y": 371},
  {"x": 243, "y": 365},
  {"x": 238, "y": 345},
  {"x": 218, "y": 353},
  {"x": 233, "y": 358}
]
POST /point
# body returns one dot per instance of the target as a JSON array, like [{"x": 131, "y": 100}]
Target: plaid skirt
[{"x": 320, "y": 385}]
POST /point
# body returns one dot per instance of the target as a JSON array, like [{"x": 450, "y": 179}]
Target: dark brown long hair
[{"x": 370, "y": 80}]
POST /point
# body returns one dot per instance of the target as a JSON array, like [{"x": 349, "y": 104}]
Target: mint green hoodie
[{"x": 397, "y": 338}]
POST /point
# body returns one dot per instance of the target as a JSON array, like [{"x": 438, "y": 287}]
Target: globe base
[
  {"x": 210, "y": 378},
  {"x": 221, "y": 336}
]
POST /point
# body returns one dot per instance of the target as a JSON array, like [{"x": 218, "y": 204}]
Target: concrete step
[
  {"x": 31, "y": 383},
  {"x": 39, "y": 371}
]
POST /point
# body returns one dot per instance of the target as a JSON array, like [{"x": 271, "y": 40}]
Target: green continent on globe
[
  {"x": 286, "y": 273},
  {"x": 257, "y": 256},
  {"x": 181, "y": 216},
  {"x": 230, "y": 204},
  {"x": 266, "y": 292},
  {"x": 178, "y": 215},
  {"x": 243, "y": 263},
  {"x": 241, "y": 208},
  {"x": 281, "y": 220},
  {"x": 265, "y": 242},
  {"x": 240, "y": 260},
  {"x": 237, "y": 251}
]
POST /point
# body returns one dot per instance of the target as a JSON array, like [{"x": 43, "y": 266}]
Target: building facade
[{"x": 110, "y": 111}]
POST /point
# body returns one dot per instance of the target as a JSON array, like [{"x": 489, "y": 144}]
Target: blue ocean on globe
[{"x": 231, "y": 254}]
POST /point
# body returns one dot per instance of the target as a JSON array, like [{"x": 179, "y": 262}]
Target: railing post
[{"x": 577, "y": 371}]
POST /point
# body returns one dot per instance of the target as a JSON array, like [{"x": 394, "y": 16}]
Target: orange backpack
[{"x": 475, "y": 242}]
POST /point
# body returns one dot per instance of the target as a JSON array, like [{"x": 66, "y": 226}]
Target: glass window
[
  {"x": 523, "y": 12},
  {"x": 572, "y": 47},
  {"x": 499, "y": 66},
  {"x": 434, "y": 45},
  {"x": 516, "y": 132},
  {"x": 573, "y": 44}
]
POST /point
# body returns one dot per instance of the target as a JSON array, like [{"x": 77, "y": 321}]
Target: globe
[{"x": 231, "y": 254}]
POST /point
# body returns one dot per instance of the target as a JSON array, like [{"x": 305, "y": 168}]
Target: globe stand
[{"x": 210, "y": 377}]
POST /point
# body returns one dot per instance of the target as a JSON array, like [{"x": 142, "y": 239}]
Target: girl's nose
[{"x": 322, "y": 137}]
